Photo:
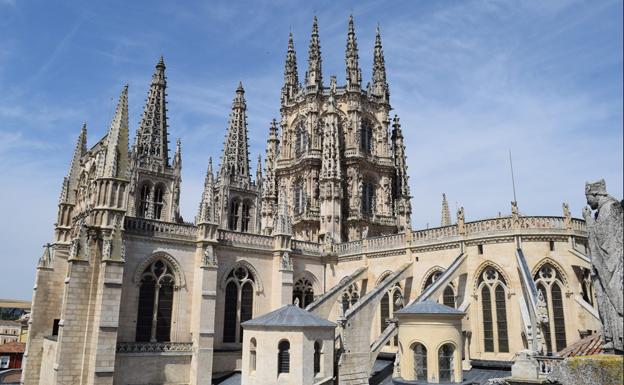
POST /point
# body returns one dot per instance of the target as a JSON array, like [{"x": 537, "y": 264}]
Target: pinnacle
[
  {"x": 240, "y": 87},
  {"x": 161, "y": 62}
]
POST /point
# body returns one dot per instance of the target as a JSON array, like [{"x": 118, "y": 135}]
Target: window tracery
[
  {"x": 239, "y": 292},
  {"x": 492, "y": 287},
  {"x": 549, "y": 281},
  {"x": 303, "y": 290},
  {"x": 155, "y": 302}
]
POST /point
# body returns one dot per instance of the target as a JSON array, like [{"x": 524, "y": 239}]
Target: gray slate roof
[
  {"x": 429, "y": 307},
  {"x": 290, "y": 316}
]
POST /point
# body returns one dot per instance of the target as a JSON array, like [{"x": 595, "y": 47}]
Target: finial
[
  {"x": 240, "y": 87},
  {"x": 210, "y": 166},
  {"x": 161, "y": 62}
]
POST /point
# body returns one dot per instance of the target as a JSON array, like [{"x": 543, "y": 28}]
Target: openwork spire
[
  {"x": 380, "y": 85},
  {"x": 70, "y": 182},
  {"x": 206, "y": 213},
  {"x": 354, "y": 74},
  {"x": 400, "y": 159},
  {"x": 291, "y": 78},
  {"x": 151, "y": 143},
  {"x": 446, "y": 214},
  {"x": 177, "y": 156},
  {"x": 270, "y": 160},
  {"x": 314, "y": 76},
  {"x": 235, "y": 155},
  {"x": 116, "y": 159}
]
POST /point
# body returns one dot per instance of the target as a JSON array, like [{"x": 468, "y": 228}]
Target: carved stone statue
[{"x": 604, "y": 229}]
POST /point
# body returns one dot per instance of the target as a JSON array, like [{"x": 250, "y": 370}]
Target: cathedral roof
[
  {"x": 429, "y": 307},
  {"x": 290, "y": 316}
]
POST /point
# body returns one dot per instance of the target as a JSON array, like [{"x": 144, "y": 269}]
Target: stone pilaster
[{"x": 282, "y": 271}]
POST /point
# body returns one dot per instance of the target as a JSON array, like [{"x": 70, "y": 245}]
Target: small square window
[{"x": 480, "y": 249}]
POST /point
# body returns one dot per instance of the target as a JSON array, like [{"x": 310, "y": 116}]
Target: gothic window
[
  {"x": 301, "y": 139},
  {"x": 368, "y": 198},
  {"x": 366, "y": 136},
  {"x": 144, "y": 200},
  {"x": 587, "y": 287},
  {"x": 233, "y": 214},
  {"x": 239, "y": 291},
  {"x": 252, "y": 355},
  {"x": 155, "y": 303},
  {"x": 304, "y": 292},
  {"x": 492, "y": 287},
  {"x": 298, "y": 196},
  {"x": 432, "y": 278},
  {"x": 283, "y": 357},
  {"x": 384, "y": 311},
  {"x": 158, "y": 201},
  {"x": 549, "y": 282},
  {"x": 446, "y": 363},
  {"x": 448, "y": 297},
  {"x": 349, "y": 297},
  {"x": 317, "y": 357},
  {"x": 246, "y": 217},
  {"x": 420, "y": 361}
]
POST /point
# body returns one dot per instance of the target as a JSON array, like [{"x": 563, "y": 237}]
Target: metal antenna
[{"x": 513, "y": 181}]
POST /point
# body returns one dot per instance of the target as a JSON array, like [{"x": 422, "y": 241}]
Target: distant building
[
  {"x": 11, "y": 309},
  {"x": 11, "y": 355},
  {"x": 10, "y": 331}
]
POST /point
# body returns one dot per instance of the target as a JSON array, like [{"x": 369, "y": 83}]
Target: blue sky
[{"x": 470, "y": 80}]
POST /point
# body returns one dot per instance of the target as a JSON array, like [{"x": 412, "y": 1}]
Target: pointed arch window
[
  {"x": 549, "y": 281},
  {"x": 283, "y": 357},
  {"x": 368, "y": 198},
  {"x": 448, "y": 297},
  {"x": 446, "y": 363},
  {"x": 391, "y": 302},
  {"x": 233, "y": 214},
  {"x": 301, "y": 139},
  {"x": 158, "y": 201},
  {"x": 366, "y": 136},
  {"x": 239, "y": 292},
  {"x": 493, "y": 290},
  {"x": 420, "y": 361},
  {"x": 304, "y": 292},
  {"x": 155, "y": 303},
  {"x": 144, "y": 200},
  {"x": 246, "y": 216},
  {"x": 299, "y": 197}
]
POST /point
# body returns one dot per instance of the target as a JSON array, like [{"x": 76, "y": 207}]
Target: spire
[
  {"x": 314, "y": 76},
  {"x": 270, "y": 159},
  {"x": 291, "y": 78},
  {"x": 380, "y": 86},
  {"x": 70, "y": 182},
  {"x": 116, "y": 159},
  {"x": 235, "y": 155},
  {"x": 446, "y": 214},
  {"x": 177, "y": 156},
  {"x": 151, "y": 143},
  {"x": 354, "y": 74},
  {"x": 282, "y": 225},
  {"x": 206, "y": 205},
  {"x": 259, "y": 170},
  {"x": 400, "y": 159}
]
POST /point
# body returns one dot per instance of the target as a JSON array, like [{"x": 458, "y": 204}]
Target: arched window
[
  {"x": 549, "y": 282},
  {"x": 494, "y": 310},
  {"x": 239, "y": 290},
  {"x": 304, "y": 291},
  {"x": 349, "y": 297},
  {"x": 301, "y": 139},
  {"x": 233, "y": 214},
  {"x": 155, "y": 303},
  {"x": 246, "y": 216},
  {"x": 317, "y": 356},
  {"x": 368, "y": 198},
  {"x": 144, "y": 201},
  {"x": 283, "y": 357},
  {"x": 432, "y": 278},
  {"x": 298, "y": 197},
  {"x": 158, "y": 201},
  {"x": 366, "y": 136},
  {"x": 446, "y": 363},
  {"x": 420, "y": 361},
  {"x": 252, "y": 355},
  {"x": 448, "y": 297}
]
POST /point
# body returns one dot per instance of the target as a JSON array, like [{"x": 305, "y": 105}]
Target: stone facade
[{"x": 140, "y": 296}]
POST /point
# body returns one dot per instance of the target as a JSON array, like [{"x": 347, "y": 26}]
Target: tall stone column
[
  {"x": 282, "y": 271},
  {"x": 204, "y": 301}
]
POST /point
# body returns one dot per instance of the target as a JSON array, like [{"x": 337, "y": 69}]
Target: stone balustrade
[
  {"x": 305, "y": 247},
  {"x": 154, "y": 347},
  {"x": 386, "y": 242},
  {"x": 255, "y": 241},
  {"x": 150, "y": 227},
  {"x": 546, "y": 364},
  {"x": 435, "y": 233}
]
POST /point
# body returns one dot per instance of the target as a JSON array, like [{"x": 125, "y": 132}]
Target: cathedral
[{"x": 127, "y": 292}]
